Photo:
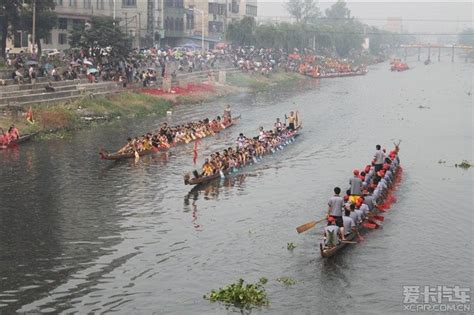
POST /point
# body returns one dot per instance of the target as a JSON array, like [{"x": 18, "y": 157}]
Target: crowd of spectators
[{"x": 148, "y": 66}]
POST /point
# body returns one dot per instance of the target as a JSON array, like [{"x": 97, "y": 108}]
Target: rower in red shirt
[
  {"x": 13, "y": 133},
  {"x": 4, "y": 138}
]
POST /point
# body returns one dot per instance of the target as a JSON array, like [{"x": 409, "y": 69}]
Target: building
[
  {"x": 148, "y": 22},
  {"x": 212, "y": 17},
  {"x": 394, "y": 24},
  {"x": 138, "y": 18}
]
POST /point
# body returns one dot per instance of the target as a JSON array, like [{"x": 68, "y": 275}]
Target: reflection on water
[{"x": 78, "y": 234}]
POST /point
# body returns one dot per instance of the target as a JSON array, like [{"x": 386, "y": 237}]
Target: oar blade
[
  {"x": 306, "y": 226},
  {"x": 368, "y": 225},
  {"x": 379, "y": 218}
]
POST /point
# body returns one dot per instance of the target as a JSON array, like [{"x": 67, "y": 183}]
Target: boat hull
[
  {"x": 131, "y": 155},
  {"x": 206, "y": 179},
  {"x": 22, "y": 139}
]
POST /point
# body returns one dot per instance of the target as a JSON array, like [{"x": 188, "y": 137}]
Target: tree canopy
[
  {"x": 466, "y": 37},
  {"x": 303, "y": 10},
  {"x": 101, "y": 37},
  {"x": 18, "y": 15}
]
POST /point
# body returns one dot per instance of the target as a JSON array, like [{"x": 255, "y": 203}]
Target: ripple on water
[{"x": 127, "y": 237}]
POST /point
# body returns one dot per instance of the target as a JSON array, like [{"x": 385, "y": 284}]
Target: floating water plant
[
  {"x": 464, "y": 164},
  {"x": 240, "y": 294},
  {"x": 287, "y": 281},
  {"x": 290, "y": 246}
]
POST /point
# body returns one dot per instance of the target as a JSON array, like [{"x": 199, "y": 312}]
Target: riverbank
[{"x": 56, "y": 119}]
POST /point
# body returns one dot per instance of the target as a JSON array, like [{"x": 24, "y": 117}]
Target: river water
[{"x": 81, "y": 235}]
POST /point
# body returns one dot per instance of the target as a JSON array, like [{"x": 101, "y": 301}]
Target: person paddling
[
  {"x": 227, "y": 114},
  {"x": 332, "y": 233},
  {"x": 13, "y": 133},
  {"x": 335, "y": 205},
  {"x": 349, "y": 224},
  {"x": 378, "y": 158},
  {"x": 356, "y": 187},
  {"x": 4, "y": 139},
  {"x": 291, "y": 121}
]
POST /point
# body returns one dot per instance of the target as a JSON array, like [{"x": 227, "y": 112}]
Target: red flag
[
  {"x": 29, "y": 116},
  {"x": 195, "y": 152}
]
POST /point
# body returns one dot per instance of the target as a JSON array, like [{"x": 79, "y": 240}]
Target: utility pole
[
  {"x": 114, "y": 12},
  {"x": 139, "y": 28},
  {"x": 33, "y": 36},
  {"x": 126, "y": 23}
]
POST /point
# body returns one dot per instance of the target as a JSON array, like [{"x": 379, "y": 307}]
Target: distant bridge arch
[{"x": 429, "y": 46}]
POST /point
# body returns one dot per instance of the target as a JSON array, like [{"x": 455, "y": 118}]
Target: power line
[
  {"x": 370, "y": 19},
  {"x": 402, "y": 34}
]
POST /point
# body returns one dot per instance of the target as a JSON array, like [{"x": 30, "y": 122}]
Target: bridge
[{"x": 436, "y": 46}]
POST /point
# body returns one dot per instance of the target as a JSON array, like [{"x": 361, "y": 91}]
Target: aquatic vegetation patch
[
  {"x": 286, "y": 280},
  {"x": 290, "y": 246},
  {"x": 464, "y": 164},
  {"x": 240, "y": 294}
]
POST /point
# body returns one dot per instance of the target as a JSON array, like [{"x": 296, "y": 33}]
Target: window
[
  {"x": 62, "y": 24},
  {"x": 17, "y": 39},
  {"x": 129, "y": 3},
  {"x": 78, "y": 24},
  {"x": 73, "y": 3},
  {"x": 251, "y": 10},
  {"x": 48, "y": 40},
  {"x": 62, "y": 38},
  {"x": 87, "y": 4},
  {"x": 100, "y": 4},
  {"x": 215, "y": 27},
  {"x": 235, "y": 7},
  {"x": 189, "y": 21},
  {"x": 59, "y": 2}
]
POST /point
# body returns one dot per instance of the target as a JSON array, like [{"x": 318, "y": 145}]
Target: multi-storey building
[{"x": 148, "y": 22}]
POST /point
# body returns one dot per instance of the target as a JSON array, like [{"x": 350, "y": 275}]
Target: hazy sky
[{"x": 420, "y": 16}]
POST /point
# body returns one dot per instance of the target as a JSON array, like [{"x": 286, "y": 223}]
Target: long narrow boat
[
  {"x": 130, "y": 155},
  {"x": 23, "y": 138},
  {"x": 339, "y": 74},
  {"x": 331, "y": 251},
  {"x": 206, "y": 179}
]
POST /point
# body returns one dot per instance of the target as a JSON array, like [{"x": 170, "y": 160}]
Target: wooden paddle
[
  {"x": 309, "y": 225},
  {"x": 378, "y": 218},
  {"x": 348, "y": 242},
  {"x": 368, "y": 225}
]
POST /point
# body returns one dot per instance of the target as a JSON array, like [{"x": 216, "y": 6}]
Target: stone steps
[
  {"x": 64, "y": 99},
  {"x": 41, "y": 96}
]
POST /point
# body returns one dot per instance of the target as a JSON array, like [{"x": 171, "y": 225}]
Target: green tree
[
  {"x": 9, "y": 11},
  {"x": 338, "y": 11},
  {"x": 102, "y": 34},
  {"x": 466, "y": 37},
  {"x": 303, "y": 10},
  {"x": 347, "y": 34},
  {"x": 242, "y": 32},
  {"x": 46, "y": 20}
]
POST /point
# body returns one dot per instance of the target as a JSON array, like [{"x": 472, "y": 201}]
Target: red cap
[
  {"x": 331, "y": 219},
  {"x": 356, "y": 172},
  {"x": 346, "y": 198}
]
